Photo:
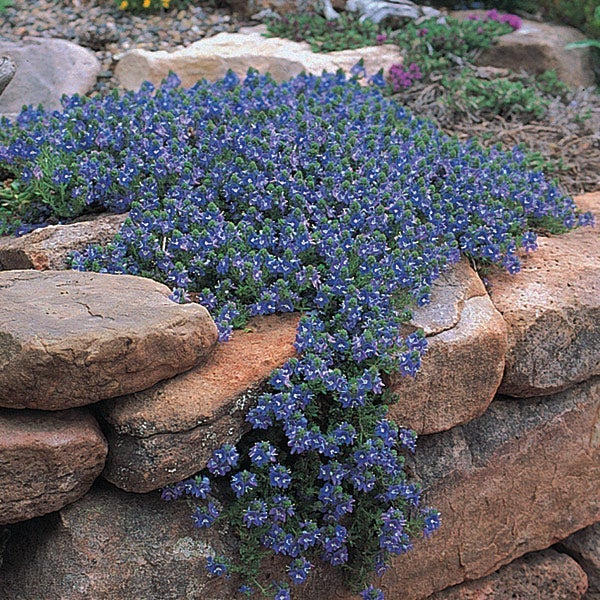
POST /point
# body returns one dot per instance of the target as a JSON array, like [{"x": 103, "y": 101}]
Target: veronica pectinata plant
[{"x": 316, "y": 195}]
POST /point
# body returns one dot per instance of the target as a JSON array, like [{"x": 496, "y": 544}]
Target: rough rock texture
[
  {"x": 46, "y": 69},
  {"x": 538, "y": 47},
  {"x": 210, "y": 59},
  {"x": 47, "y": 460},
  {"x": 546, "y": 574},
  {"x": 50, "y": 247},
  {"x": 584, "y": 547},
  {"x": 517, "y": 479},
  {"x": 168, "y": 432},
  {"x": 552, "y": 308},
  {"x": 463, "y": 366},
  {"x": 513, "y": 481},
  {"x": 69, "y": 339},
  {"x": 112, "y": 545}
]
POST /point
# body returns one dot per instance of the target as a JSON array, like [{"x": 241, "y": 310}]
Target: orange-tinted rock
[
  {"x": 50, "y": 247},
  {"x": 546, "y": 574},
  {"x": 584, "y": 547},
  {"x": 47, "y": 460},
  {"x": 168, "y": 432},
  {"x": 539, "y": 47},
  {"x": 69, "y": 339},
  {"x": 516, "y": 480},
  {"x": 552, "y": 309},
  {"x": 113, "y": 545},
  {"x": 464, "y": 362}
]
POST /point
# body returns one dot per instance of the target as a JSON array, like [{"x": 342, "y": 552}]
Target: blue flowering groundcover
[{"x": 317, "y": 195}]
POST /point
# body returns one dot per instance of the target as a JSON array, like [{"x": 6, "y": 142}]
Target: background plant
[
  {"x": 318, "y": 195},
  {"x": 324, "y": 35}
]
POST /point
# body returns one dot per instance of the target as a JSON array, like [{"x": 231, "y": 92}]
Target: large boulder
[
  {"x": 464, "y": 362},
  {"x": 47, "y": 68},
  {"x": 167, "y": 433},
  {"x": 545, "y": 574},
  {"x": 516, "y": 480},
  {"x": 584, "y": 546},
  {"x": 50, "y": 247},
  {"x": 538, "y": 47},
  {"x": 552, "y": 308},
  {"x": 47, "y": 460},
  {"x": 110, "y": 545},
  {"x": 212, "y": 57},
  {"x": 69, "y": 339}
]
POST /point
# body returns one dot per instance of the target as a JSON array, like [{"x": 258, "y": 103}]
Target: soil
[{"x": 567, "y": 136}]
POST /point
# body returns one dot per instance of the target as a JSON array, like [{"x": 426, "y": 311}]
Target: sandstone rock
[
  {"x": 111, "y": 545},
  {"x": 46, "y": 461},
  {"x": 46, "y": 69},
  {"x": 50, "y": 247},
  {"x": 211, "y": 58},
  {"x": 464, "y": 362},
  {"x": 517, "y": 479},
  {"x": 546, "y": 574},
  {"x": 552, "y": 308},
  {"x": 584, "y": 547},
  {"x": 69, "y": 339},
  {"x": 538, "y": 47},
  {"x": 167, "y": 433},
  {"x": 513, "y": 481}
]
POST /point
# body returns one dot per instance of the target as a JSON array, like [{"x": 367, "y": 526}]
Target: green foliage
[
  {"x": 4, "y": 4},
  {"x": 438, "y": 46},
  {"x": 508, "y": 96},
  {"x": 324, "y": 35}
]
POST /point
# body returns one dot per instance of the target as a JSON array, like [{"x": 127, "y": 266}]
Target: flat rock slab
[
  {"x": 50, "y": 247},
  {"x": 69, "y": 338},
  {"x": 111, "y": 545},
  {"x": 212, "y": 57},
  {"x": 47, "y": 460},
  {"x": 552, "y": 308},
  {"x": 46, "y": 69},
  {"x": 584, "y": 546},
  {"x": 538, "y": 47},
  {"x": 546, "y": 574},
  {"x": 168, "y": 432},
  {"x": 464, "y": 362}
]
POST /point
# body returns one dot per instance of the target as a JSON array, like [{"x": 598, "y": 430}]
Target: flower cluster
[
  {"x": 402, "y": 77},
  {"x": 511, "y": 20},
  {"x": 318, "y": 195}
]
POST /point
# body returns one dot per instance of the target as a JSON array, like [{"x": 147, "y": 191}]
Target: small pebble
[{"x": 109, "y": 32}]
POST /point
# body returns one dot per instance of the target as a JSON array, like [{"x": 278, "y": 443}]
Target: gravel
[{"x": 109, "y": 32}]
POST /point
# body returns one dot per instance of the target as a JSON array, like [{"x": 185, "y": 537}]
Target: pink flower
[{"x": 381, "y": 38}]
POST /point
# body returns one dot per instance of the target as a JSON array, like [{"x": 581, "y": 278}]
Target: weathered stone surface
[
  {"x": 211, "y": 58},
  {"x": 552, "y": 308},
  {"x": 47, "y": 460},
  {"x": 538, "y": 47},
  {"x": 516, "y": 480},
  {"x": 46, "y": 69},
  {"x": 69, "y": 339},
  {"x": 513, "y": 481},
  {"x": 111, "y": 544},
  {"x": 546, "y": 574},
  {"x": 50, "y": 247},
  {"x": 464, "y": 362},
  {"x": 168, "y": 432},
  {"x": 584, "y": 547}
]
